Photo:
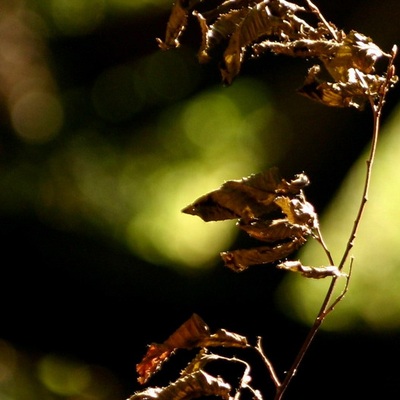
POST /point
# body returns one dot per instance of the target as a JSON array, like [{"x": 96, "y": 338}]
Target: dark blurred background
[{"x": 104, "y": 139}]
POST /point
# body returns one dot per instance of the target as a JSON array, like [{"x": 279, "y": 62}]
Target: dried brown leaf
[
  {"x": 268, "y": 18},
  {"x": 258, "y": 202},
  {"x": 355, "y": 51},
  {"x": 248, "y": 198},
  {"x": 218, "y": 32},
  {"x": 272, "y": 231},
  {"x": 225, "y": 338},
  {"x": 177, "y": 23},
  {"x": 189, "y": 386},
  {"x": 352, "y": 93},
  {"x": 298, "y": 211},
  {"x": 240, "y": 260},
  {"x": 305, "y": 47},
  {"x": 312, "y": 272},
  {"x": 155, "y": 356}
]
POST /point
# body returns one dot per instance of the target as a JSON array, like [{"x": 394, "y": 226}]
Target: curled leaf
[
  {"x": 298, "y": 211},
  {"x": 177, "y": 23},
  {"x": 273, "y": 230},
  {"x": 234, "y": 29},
  {"x": 189, "y": 386},
  {"x": 311, "y": 272},
  {"x": 354, "y": 92},
  {"x": 187, "y": 336},
  {"x": 268, "y": 208},
  {"x": 267, "y": 18},
  {"x": 240, "y": 260},
  {"x": 248, "y": 198}
]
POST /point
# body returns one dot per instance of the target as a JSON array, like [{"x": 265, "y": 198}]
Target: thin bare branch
[
  {"x": 325, "y": 308},
  {"x": 268, "y": 363}
]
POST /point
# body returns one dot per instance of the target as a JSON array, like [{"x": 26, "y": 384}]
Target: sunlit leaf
[
  {"x": 272, "y": 230},
  {"x": 355, "y": 51},
  {"x": 298, "y": 211},
  {"x": 240, "y": 260},
  {"x": 353, "y": 92},
  {"x": 189, "y": 386},
  {"x": 177, "y": 23},
  {"x": 250, "y": 197},
  {"x": 218, "y": 32},
  {"x": 311, "y": 272},
  {"x": 268, "y": 18}
]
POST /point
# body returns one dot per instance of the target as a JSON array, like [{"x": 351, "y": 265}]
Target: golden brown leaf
[
  {"x": 248, "y": 198},
  {"x": 218, "y": 32},
  {"x": 240, "y": 260},
  {"x": 355, "y": 51},
  {"x": 354, "y": 92},
  {"x": 191, "y": 386},
  {"x": 225, "y": 338},
  {"x": 311, "y": 272},
  {"x": 187, "y": 336},
  {"x": 268, "y": 18},
  {"x": 298, "y": 211},
  {"x": 273, "y": 230},
  {"x": 177, "y": 23}
]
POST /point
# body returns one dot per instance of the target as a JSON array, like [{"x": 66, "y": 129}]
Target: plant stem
[{"x": 325, "y": 308}]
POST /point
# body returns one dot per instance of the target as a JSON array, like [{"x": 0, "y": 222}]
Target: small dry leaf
[
  {"x": 240, "y": 260},
  {"x": 311, "y": 272},
  {"x": 189, "y": 386},
  {"x": 177, "y": 23},
  {"x": 248, "y": 198},
  {"x": 273, "y": 230}
]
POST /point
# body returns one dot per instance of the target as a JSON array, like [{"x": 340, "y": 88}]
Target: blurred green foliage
[
  {"x": 116, "y": 145},
  {"x": 130, "y": 190}
]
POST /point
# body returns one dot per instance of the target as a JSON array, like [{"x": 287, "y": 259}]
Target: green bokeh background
[{"x": 104, "y": 139}]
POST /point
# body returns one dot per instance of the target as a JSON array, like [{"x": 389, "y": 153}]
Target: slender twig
[
  {"x": 316, "y": 11},
  {"x": 377, "y": 102},
  {"x": 377, "y": 111},
  {"x": 320, "y": 240},
  {"x": 268, "y": 363},
  {"x": 344, "y": 291}
]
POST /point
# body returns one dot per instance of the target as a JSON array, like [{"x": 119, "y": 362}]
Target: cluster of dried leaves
[
  {"x": 267, "y": 207},
  {"x": 239, "y": 28},
  {"x": 272, "y": 210},
  {"x": 194, "y": 381}
]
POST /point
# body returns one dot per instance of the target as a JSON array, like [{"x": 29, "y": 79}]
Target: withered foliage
[
  {"x": 194, "y": 381},
  {"x": 311, "y": 272},
  {"x": 238, "y": 29},
  {"x": 272, "y": 210},
  {"x": 268, "y": 208},
  {"x": 188, "y": 386}
]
